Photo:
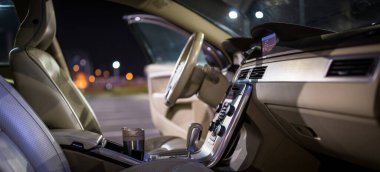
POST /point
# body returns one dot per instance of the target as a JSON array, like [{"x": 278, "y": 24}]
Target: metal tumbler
[{"x": 133, "y": 142}]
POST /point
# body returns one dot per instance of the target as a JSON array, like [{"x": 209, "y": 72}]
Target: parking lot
[{"x": 114, "y": 112}]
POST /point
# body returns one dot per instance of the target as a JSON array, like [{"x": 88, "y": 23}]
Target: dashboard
[{"x": 321, "y": 89}]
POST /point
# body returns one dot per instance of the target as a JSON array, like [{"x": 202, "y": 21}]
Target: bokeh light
[
  {"x": 116, "y": 64},
  {"x": 129, "y": 76},
  {"x": 98, "y": 72},
  {"x": 81, "y": 81},
  {"x": 76, "y": 68},
  {"x": 83, "y": 62},
  {"x": 106, "y": 73},
  {"x": 91, "y": 78}
]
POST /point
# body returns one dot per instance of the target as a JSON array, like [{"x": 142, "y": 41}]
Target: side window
[
  {"x": 8, "y": 27},
  {"x": 164, "y": 44}
]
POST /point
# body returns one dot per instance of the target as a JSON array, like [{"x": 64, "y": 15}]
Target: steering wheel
[{"x": 183, "y": 68}]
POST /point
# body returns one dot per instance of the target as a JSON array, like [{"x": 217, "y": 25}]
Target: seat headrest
[{"x": 37, "y": 29}]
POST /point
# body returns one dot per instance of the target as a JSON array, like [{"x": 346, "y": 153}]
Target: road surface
[{"x": 115, "y": 112}]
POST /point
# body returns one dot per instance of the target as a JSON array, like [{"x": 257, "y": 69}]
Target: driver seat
[{"x": 45, "y": 85}]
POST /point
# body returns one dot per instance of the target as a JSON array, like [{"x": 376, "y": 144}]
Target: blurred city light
[
  {"x": 82, "y": 62},
  {"x": 81, "y": 81},
  {"x": 233, "y": 14},
  {"x": 259, "y": 14},
  {"x": 98, "y": 72},
  {"x": 116, "y": 64},
  {"x": 106, "y": 73},
  {"x": 91, "y": 78},
  {"x": 108, "y": 86},
  {"x": 129, "y": 76},
  {"x": 137, "y": 18},
  {"x": 76, "y": 68}
]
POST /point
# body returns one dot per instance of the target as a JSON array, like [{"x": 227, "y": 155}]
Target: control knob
[
  {"x": 219, "y": 107},
  {"x": 230, "y": 109},
  {"x": 220, "y": 130},
  {"x": 211, "y": 126}
]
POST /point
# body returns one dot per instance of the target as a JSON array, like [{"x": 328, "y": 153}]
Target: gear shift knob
[{"x": 193, "y": 135}]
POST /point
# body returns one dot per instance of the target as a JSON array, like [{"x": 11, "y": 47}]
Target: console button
[
  {"x": 220, "y": 130},
  {"x": 213, "y": 132},
  {"x": 226, "y": 104},
  {"x": 230, "y": 110},
  {"x": 216, "y": 123},
  {"x": 221, "y": 116},
  {"x": 211, "y": 126},
  {"x": 219, "y": 107}
]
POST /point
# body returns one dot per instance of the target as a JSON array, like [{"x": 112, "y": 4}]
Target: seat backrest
[
  {"x": 25, "y": 142},
  {"x": 39, "y": 78}
]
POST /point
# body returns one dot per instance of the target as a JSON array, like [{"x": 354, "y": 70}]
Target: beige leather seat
[{"x": 45, "y": 85}]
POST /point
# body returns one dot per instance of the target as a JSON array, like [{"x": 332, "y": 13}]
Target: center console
[{"x": 225, "y": 122}]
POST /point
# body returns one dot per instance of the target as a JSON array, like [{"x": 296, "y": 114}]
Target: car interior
[{"x": 287, "y": 98}]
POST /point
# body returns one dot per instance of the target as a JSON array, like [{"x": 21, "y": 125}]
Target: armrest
[{"x": 80, "y": 138}]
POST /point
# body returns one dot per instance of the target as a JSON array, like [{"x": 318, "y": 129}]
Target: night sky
[{"x": 96, "y": 30}]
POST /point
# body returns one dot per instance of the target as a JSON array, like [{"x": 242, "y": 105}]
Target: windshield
[{"x": 238, "y": 16}]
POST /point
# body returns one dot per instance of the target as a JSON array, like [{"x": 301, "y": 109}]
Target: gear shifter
[{"x": 193, "y": 135}]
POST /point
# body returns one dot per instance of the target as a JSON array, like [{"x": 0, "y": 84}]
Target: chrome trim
[{"x": 211, "y": 151}]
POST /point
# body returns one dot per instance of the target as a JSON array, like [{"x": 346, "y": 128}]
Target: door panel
[{"x": 175, "y": 120}]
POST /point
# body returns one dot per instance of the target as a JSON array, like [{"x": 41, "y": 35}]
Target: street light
[
  {"x": 116, "y": 72},
  {"x": 116, "y": 64}
]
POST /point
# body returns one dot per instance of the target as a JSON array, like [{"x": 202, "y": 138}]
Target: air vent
[
  {"x": 243, "y": 74},
  {"x": 257, "y": 72},
  {"x": 352, "y": 67}
]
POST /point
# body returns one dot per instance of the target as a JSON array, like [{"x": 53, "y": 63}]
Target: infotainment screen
[{"x": 268, "y": 43}]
